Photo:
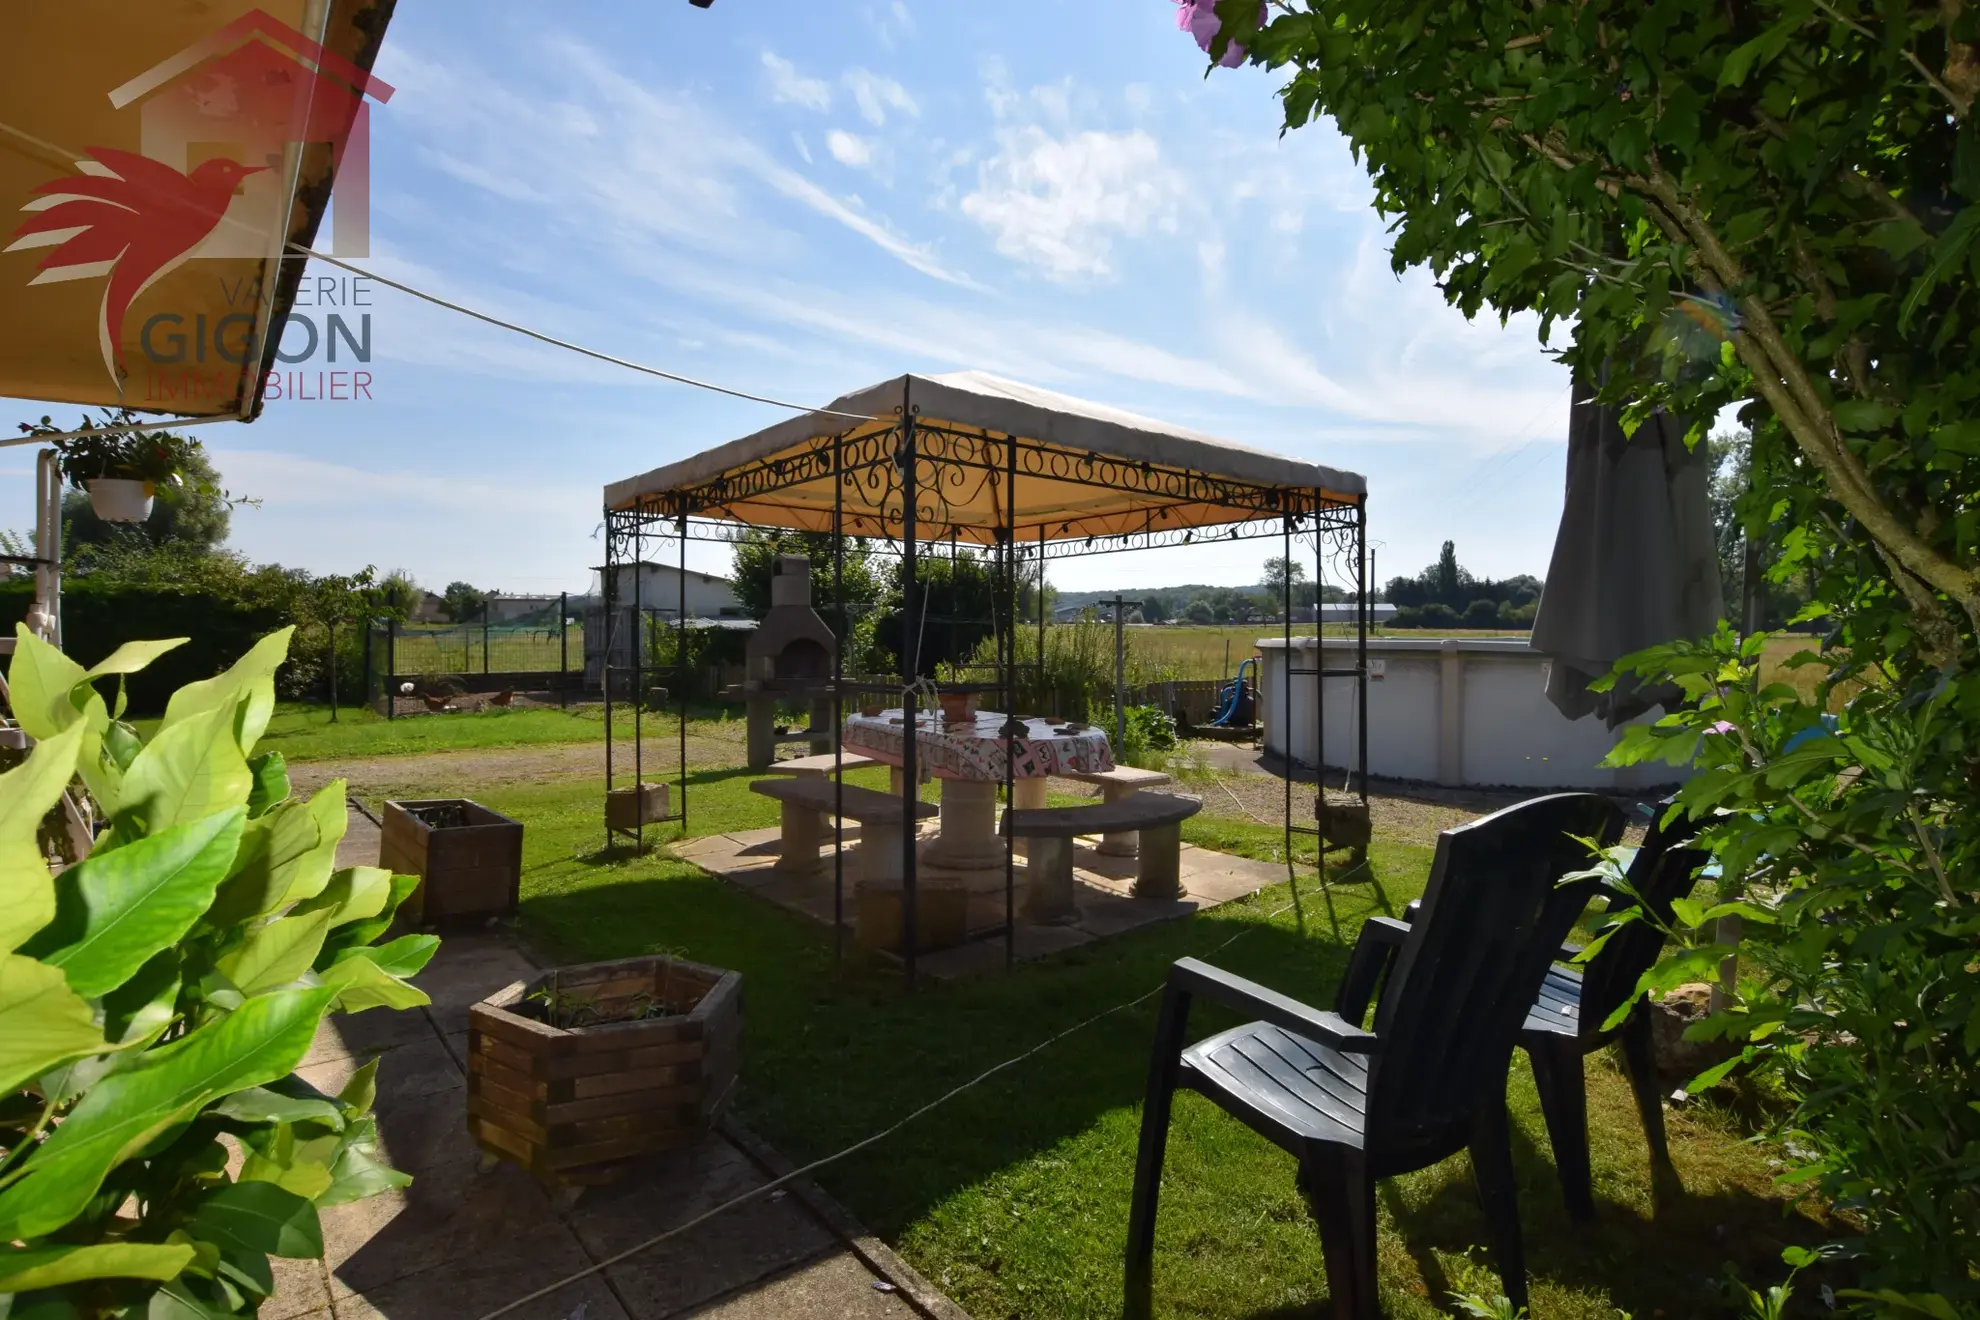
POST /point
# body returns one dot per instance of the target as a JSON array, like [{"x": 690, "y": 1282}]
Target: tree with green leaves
[
  {"x": 464, "y": 603},
  {"x": 754, "y": 562},
  {"x": 1281, "y": 573},
  {"x": 157, "y": 996},
  {"x": 1774, "y": 205}
]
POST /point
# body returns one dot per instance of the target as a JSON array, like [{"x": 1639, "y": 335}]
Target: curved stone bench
[{"x": 1157, "y": 817}]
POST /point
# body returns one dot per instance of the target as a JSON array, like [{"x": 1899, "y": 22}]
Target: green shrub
[
  {"x": 156, "y": 998},
  {"x": 1849, "y": 848},
  {"x": 1148, "y": 734},
  {"x": 1481, "y": 614}
]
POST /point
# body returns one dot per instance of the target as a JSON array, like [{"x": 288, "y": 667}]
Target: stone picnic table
[{"x": 967, "y": 756}]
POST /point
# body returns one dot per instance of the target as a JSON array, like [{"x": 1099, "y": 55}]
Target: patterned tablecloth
[{"x": 976, "y": 750}]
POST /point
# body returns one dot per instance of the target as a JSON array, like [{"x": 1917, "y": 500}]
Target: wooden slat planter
[
  {"x": 468, "y": 859},
  {"x": 571, "y": 1104}
]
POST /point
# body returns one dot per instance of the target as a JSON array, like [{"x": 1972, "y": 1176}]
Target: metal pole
[
  {"x": 370, "y": 625},
  {"x": 1120, "y": 673},
  {"x": 563, "y": 649},
  {"x": 638, "y": 658},
  {"x": 1041, "y": 612},
  {"x": 485, "y": 604},
  {"x": 608, "y": 594},
  {"x": 333, "y": 671},
  {"x": 1285, "y": 693},
  {"x": 680, "y": 667},
  {"x": 838, "y": 702},
  {"x": 1008, "y": 618},
  {"x": 48, "y": 543},
  {"x": 391, "y": 668},
  {"x": 910, "y": 696},
  {"x": 1364, "y": 570}
]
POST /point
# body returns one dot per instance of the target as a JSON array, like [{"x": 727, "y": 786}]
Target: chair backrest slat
[{"x": 1493, "y": 918}]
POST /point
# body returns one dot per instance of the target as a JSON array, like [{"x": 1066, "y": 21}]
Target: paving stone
[
  {"x": 373, "y": 1031},
  {"x": 454, "y": 1215},
  {"x": 404, "y": 1074},
  {"x": 836, "y": 1285},
  {"x": 359, "y": 846},
  {"x": 301, "y": 1289},
  {"x": 467, "y": 1291},
  {"x": 733, "y": 1250},
  {"x": 433, "y": 1131}
]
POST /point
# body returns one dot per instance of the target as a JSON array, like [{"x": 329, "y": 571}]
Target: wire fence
[{"x": 519, "y": 643}]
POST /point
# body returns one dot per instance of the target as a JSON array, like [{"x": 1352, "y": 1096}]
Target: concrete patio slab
[
  {"x": 467, "y": 1237},
  {"x": 1103, "y": 894}
]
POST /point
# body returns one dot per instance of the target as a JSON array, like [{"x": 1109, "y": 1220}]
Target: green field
[
  {"x": 1196, "y": 651},
  {"x": 502, "y": 648}
]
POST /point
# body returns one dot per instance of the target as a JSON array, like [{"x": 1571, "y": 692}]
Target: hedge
[{"x": 98, "y": 617}]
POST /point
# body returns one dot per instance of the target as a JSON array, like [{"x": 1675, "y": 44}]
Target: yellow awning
[
  {"x": 155, "y": 159},
  {"x": 992, "y": 454}
]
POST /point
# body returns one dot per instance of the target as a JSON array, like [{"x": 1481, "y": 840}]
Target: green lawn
[
  {"x": 1013, "y": 1196},
  {"x": 307, "y": 733}
]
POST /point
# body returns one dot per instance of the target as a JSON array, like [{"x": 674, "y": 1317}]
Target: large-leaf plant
[{"x": 156, "y": 1144}]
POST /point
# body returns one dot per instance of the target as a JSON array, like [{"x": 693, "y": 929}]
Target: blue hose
[{"x": 1231, "y": 695}]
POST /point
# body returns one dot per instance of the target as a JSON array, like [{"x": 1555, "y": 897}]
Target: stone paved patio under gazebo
[{"x": 1102, "y": 888}]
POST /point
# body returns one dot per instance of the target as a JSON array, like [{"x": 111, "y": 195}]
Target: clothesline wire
[
  {"x": 566, "y": 344},
  {"x": 757, "y": 1193},
  {"x": 162, "y": 424}
]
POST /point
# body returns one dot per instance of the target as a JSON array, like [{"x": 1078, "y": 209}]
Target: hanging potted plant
[{"x": 122, "y": 470}]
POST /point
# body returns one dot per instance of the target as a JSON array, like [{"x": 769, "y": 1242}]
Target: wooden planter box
[
  {"x": 571, "y": 1103},
  {"x": 468, "y": 859}
]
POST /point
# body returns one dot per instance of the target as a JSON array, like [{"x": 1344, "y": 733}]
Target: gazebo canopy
[{"x": 991, "y": 454}]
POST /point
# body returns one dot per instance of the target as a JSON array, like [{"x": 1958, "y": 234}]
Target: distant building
[{"x": 659, "y": 588}]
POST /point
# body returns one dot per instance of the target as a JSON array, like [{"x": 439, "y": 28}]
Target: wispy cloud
[
  {"x": 639, "y": 163},
  {"x": 849, "y": 148},
  {"x": 789, "y": 87},
  {"x": 1059, "y": 203},
  {"x": 875, "y": 96}
]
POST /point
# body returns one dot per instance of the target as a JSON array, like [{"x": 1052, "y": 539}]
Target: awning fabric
[
  {"x": 138, "y": 265},
  {"x": 1636, "y": 562},
  {"x": 1086, "y": 469}
]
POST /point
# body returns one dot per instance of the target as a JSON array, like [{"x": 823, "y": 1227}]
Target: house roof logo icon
[{"x": 224, "y": 126}]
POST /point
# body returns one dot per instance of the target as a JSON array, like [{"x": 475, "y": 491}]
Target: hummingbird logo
[{"x": 129, "y": 217}]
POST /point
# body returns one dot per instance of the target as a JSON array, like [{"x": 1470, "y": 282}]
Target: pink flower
[
  {"x": 1199, "y": 19},
  {"x": 1723, "y": 726}
]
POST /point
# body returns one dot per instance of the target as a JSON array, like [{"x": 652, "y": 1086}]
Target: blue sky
[{"x": 799, "y": 199}]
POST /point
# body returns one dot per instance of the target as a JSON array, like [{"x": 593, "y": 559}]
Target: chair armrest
[
  {"x": 1191, "y": 977},
  {"x": 1411, "y": 908},
  {"x": 1374, "y": 949}
]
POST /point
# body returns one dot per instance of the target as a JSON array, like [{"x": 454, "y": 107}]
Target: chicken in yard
[
  {"x": 503, "y": 698},
  {"x": 433, "y": 703}
]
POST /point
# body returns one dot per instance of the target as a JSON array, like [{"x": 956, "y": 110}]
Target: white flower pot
[{"x": 120, "y": 499}]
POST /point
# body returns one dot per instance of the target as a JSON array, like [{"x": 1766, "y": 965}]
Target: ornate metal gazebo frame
[{"x": 909, "y": 485}]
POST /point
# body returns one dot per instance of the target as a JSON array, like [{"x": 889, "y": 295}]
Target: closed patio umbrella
[{"x": 1635, "y": 561}]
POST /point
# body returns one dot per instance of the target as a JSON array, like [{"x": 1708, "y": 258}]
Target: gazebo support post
[
  {"x": 610, "y": 597},
  {"x": 1286, "y": 685},
  {"x": 638, "y": 657},
  {"x": 1041, "y": 610},
  {"x": 910, "y": 693},
  {"x": 1361, "y": 585},
  {"x": 680, "y": 676},
  {"x": 1007, "y": 621},
  {"x": 838, "y": 704}
]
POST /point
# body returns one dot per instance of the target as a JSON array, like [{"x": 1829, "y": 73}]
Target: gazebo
[{"x": 1027, "y": 475}]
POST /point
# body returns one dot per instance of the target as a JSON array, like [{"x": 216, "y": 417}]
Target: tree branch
[{"x": 1783, "y": 380}]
